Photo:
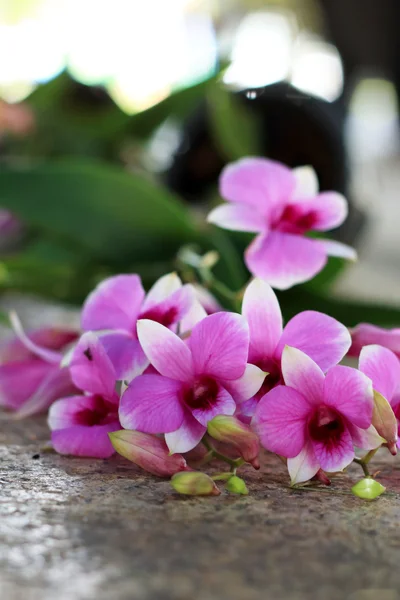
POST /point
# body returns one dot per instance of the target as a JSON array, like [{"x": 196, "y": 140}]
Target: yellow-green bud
[
  {"x": 236, "y": 485},
  {"x": 368, "y": 489},
  {"x": 194, "y": 483},
  {"x": 385, "y": 422}
]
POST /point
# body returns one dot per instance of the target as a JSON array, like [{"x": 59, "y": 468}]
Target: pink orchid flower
[
  {"x": 116, "y": 305},
  {"x": 80, "y": 424},
  {"x": 365, "y": 334},
  {"x": 315, "y": 419},
  {"x": 321, "y": 337},
  {"x": 280, "y": 205},
  {"x": 198, "y": 379},
  {"x": 383, "y": 368},
  {"x": 31, "y": 377}
]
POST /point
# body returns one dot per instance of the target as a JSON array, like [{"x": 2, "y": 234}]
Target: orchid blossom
[
  {"x": 31, "y": 377},
  {"x": 365, "y": 334},
  {"x": 198, "y": 379},
  {"x": 116, "y": 305},
  {"x": 80, "y": 424},
  {"x": 321, "y": 337},
  {"x": 315, "y": 420},
  {"x": 280, "y": 205}
]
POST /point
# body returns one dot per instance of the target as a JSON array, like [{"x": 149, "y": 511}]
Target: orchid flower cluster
[{"x": 172, "y": 381}]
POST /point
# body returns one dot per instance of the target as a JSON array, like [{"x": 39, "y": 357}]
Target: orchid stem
[{"x": 363, "y": 462}]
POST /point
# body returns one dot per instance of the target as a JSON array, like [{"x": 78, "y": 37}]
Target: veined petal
[
  {"x": 365, "y": 334},
  {"x": 334, "y": 454},
  {"x": 206, "y": 299},
  {"x": 285, "y": 259},
  {"x": 334, "y": 248},
  {"x": 152, "y": 404},
  {"x": 321, "y": 337},
  {"x": 51, "y": 338},
  {"x": 91, "y": 369},
  {"x": 223, "y": 404},
  {"x": 259, "y": 182},
  {"x": 196, "y": 314},
  {"x": 280, "y": 421},
  {"x": 125, "y": 354},
  {"x": 113, "y": 304},
  {"x": 187, "y": 436},
  {"x": 365, "y": 439},
  {"x": 383, "y": 367},
  {"x": 236, "y": 216},
  {"x": 76, "y": 410},
  {"x": 170, "y": 311},
  {"x": 247, "y": 385},
  {"x": 303, "y": 374},
  {"x": 161, "y": 290},
  {"x": 57, "y": 384},
  {"x": 263, "y": 314},
  {"x": 46, "y": 354},
  {"x": 306, "y": 184},
  {"x": 165, "y": 350},
  {"x": 220, "y": 346},
  {"x": 20, "y": 380},
  {"x": 303, "y": 466},
  {"x": 80, "y": 440},
  {"x": 350, "y": 393}
]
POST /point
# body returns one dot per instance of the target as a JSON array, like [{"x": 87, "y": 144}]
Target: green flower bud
[
  {"x": 194, "y": 483},
  {"x": 385, "y": 422},
  {"x": 236, "y": 485},
  {"x": 368, "y": 489},
  {"x": 229, "y": 430}
]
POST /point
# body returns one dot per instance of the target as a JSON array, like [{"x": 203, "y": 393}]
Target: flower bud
[
  {"x": 194, "y": 483},
  {"x": 236, "y": 485},
  {"x": 148, "y": 452},
  {"x": 368, "y": 489},
  {"x": 385, "y": 422},
  {"x": 229, "y": 430}
]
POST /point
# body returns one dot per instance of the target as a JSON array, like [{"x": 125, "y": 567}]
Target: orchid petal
[
  {"x": 301, "y": 373},
  {"x": 195, "y": 314},
  {"x": 284, "y": 259},
  {"x": 80, "y": 440},
  {"x": 383, "y": 368},
  {"x": 247, "y": 385},
  {"x": 263, "y": 314},
  {"x": 91, "y": 369},
  {"x": 365, "y": 334},
  {"x": 306, "y": 183},
  {"x": 303, "y": 466},
  {"x": 238, "y": 217},
  {"x": 57, "y": 384},
  {"x": 45, "y": 354},
  {"x": 328, "y": 209},
  {"x": 20, "y": 380},
  {"x": 152, "y": 404},
  {"x": 334, "y": 248},
  {"x": 161, "y": 290},
  {"x": 334, "y": 455},
  {"x": 350, "y": 393},
  {"x": 223, "y": 404},
  {"x": 365, "y": 439},
  {"x": 172, "y": 309},
  {"x": 125, "y": 354},
  {"x": 187, "y": 436}
]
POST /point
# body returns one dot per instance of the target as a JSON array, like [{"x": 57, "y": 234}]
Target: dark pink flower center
[
  {"x": 326, "y": 425},
  {"x": 101, "y": 413},
  {"x": 293, "y": 219},
  {"x": 164, "y": 317},
  {"x": 202, "y": 395},
  {"x": 274, "y": 377}
]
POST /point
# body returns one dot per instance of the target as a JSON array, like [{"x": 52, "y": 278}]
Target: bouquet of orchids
[{"x": 172, "y": 381}]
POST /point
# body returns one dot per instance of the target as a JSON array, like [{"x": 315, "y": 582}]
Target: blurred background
[{"x": 117, "y": 116}]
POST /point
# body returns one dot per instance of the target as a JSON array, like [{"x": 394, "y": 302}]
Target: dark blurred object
[
  {"x": 366, "y": 35},
  {"x": 294, "y": 128}
]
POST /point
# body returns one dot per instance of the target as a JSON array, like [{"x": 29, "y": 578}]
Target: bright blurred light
[
  {"x": 317, "y": 68},
  {"x": 262, "y": 50}
]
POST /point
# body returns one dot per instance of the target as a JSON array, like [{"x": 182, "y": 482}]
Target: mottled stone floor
[{"x": 80, "y": 529}]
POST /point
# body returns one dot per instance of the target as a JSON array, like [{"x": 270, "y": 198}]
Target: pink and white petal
[
  {"x": 303, "y": 466},
  {"x": 259, "y": 182},
  {"x": 113, "y": 304},
  {"x": 238, "y": 217},
  {"x": 91, "y": 369},
  {"x": 285, "y": 259},
  {"x": 220, "y": 346},
  {"x": 330, "y": 209},
  {"x": 365, "y": 439},
  {"x": 189, "y": 434},
  {"x": 247, "y": 385},
  {"x": 333, "y": 248},
  {"x": 52, "y": 338},
  {"x": 195, "y": 314},
  {"x": 321, "y": 337},
  {"x": 171, "y": 310},
  {"x": 206, "y": 299},
  {"x": 223, "y": 404},
  {"x": 280, "y": 421},
  {"x": 306, "y": 184},
  {"x": 57, "y": 384},
  {"x": 20, "y": 380},
  {"x": 301, "y": 373},
  {"x": 262, "y": 312},
  {"x": 365, "y": 334},
  {"x": 165, "y": 350},
  {"x": 74, "y": 410},
  {"x": 334, "y": 455},
  {"x": 46, "y": 354},
  {"x": 383, "y": 368},
  {"x": 81, "y": 440},
  {"x": 125, "y": 354},
  {"x": 350, "y": 393},
  {"x": 152, "y": 404},
  {"x": 161, "y": 290}
]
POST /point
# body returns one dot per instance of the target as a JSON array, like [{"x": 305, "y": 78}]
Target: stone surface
[{"x": 80, "y": 529}]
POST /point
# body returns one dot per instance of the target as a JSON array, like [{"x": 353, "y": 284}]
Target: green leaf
[{"x": 111, "y": 215}]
